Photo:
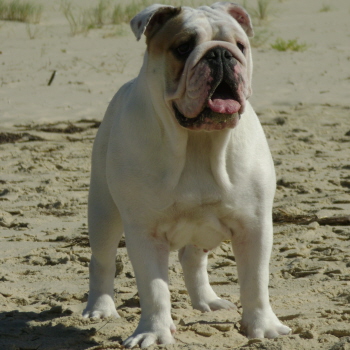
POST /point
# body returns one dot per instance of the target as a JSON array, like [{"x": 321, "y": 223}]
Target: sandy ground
[{"x": 302, "y": 99}]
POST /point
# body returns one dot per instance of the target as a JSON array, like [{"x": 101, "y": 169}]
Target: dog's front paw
[
  {"x": 100, "y": 307},
  {"x": 214, "y": 304},
  {"x": 261, "y": 323},
  {"x": 147, "y": 334}
]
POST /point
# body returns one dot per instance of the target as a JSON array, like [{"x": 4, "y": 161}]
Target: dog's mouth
[
  {"x": 221, "y": 110},
  {"x": 224, "y": 100}
]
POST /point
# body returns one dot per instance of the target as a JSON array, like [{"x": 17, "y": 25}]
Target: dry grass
[
  {"x": 81, "y": 20},
  {"x": 261, "y": 12},
  {"x": 21, "y": 11},
  {"x": 261, "y": 36}
]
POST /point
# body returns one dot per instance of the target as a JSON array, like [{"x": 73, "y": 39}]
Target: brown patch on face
[
  {"x": 163, "y": 45},
  {"x": 157, "y": 42},
  {"x": 160, "y": 18}
]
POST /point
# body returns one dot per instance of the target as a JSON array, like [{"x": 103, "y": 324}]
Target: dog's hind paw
[
  {"x": 101, "y": 307},
  {"x": 215, "y": 304}
]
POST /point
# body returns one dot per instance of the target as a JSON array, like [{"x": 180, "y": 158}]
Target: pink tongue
[{"x": 224, "y": 106}]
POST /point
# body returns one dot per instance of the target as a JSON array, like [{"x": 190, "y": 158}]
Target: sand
[{"x": 302, "y": 99}]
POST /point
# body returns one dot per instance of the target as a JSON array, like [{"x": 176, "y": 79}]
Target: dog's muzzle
[
  {"x": 223, "y": 97},
  {"x": 223, "y": 104}
]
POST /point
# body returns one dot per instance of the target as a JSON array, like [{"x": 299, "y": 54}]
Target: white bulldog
[{"x": 180, "y": 162}]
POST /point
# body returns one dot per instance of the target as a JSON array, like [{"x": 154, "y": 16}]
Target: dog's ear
[
  {"x": 151, "y": 19},
  {"x": 238, "y": 13}
]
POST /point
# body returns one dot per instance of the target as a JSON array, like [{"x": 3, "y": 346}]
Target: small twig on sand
[{"x": 52, "y": 78}]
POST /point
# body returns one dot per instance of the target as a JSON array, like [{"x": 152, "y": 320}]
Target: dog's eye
[
  {"x": 184, "y": 49},
  {"x": 241, "y": 47}
]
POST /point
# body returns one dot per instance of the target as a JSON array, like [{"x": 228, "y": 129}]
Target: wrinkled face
[{"x": 207, "y": 61}]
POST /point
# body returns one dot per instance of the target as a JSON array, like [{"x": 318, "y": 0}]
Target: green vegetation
[
  {"x": 325, "y": 8},
  {"x": 21, "y": 11},
  {"x": 285, "y": 45}
]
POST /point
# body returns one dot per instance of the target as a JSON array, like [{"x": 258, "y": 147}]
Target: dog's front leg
[
  {"x": 149, "y": 257},
  {"x": 252, "y": 244}
]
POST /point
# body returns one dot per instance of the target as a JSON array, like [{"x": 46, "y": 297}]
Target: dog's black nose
[{"x": 219, "y": 53}]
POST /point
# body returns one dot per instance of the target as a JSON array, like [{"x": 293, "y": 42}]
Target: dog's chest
[{"x": 201, "y": 212}]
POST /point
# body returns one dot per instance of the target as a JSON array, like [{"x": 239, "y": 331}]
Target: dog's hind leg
[{"x": 194, "y": 264}]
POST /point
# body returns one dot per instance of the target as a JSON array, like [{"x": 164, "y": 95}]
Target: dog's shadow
[{"x": 47, "y": 330}]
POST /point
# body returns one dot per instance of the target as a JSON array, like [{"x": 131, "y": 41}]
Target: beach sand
[{"x": 46, "y": 135}]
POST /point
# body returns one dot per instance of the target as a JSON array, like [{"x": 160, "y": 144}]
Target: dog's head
[{"x": 198, "y": 61}]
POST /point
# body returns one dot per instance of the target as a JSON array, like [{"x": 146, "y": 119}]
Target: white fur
[{"x": 170, "y": 188}]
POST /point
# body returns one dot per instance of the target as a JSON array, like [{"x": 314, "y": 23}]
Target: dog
[{"x": 180, "y": 162}]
